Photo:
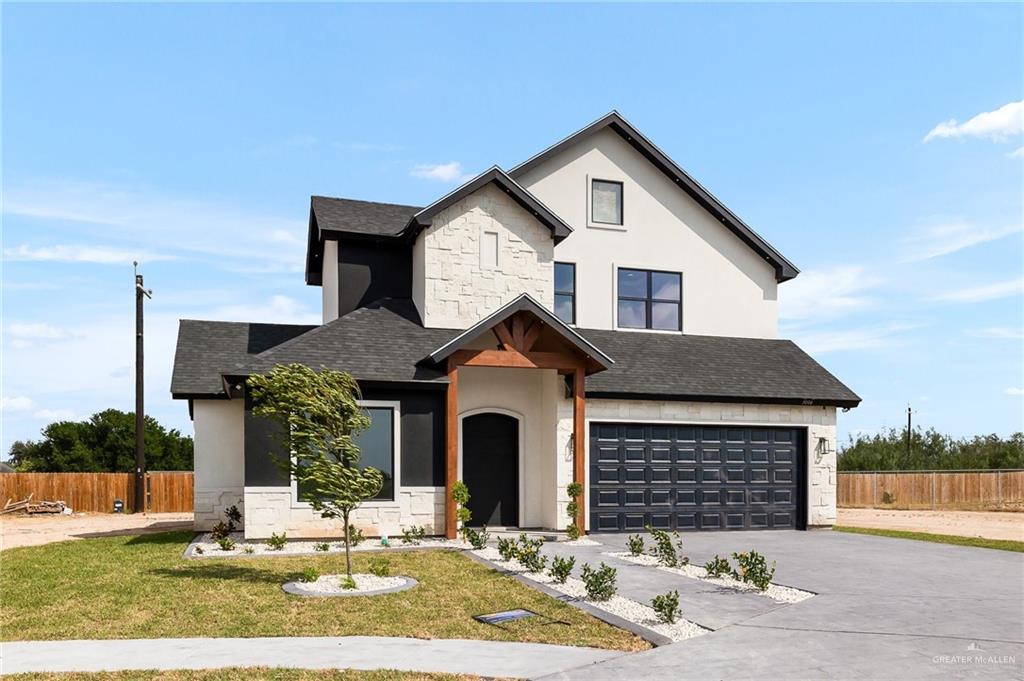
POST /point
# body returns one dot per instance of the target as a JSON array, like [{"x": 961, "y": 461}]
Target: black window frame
[
  {"x": 648, "y": 301},
  {"x": 622, "y": 202},
  {"x": 571, "y": 294}
]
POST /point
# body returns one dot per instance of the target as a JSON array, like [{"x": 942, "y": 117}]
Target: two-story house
[{"x": 593, "y": 314}]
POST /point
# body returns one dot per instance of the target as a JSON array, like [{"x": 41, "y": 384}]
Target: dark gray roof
[
  {"x": 206, "y": 349},
  {"x": 361, "y": 217},
  {"x": 712, "y": 368},
  {"x": 784, "y": 269}
]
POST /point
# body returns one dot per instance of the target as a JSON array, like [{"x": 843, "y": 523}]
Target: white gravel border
[
  {"x": 582, "y": 541},
  {"x": 776, "y": 592},
  {"x": 210, "y": 548},
  {"x": 366, "y": 584},
  {"x": 627, "y": 609}
]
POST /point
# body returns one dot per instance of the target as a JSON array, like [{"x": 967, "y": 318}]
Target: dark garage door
[{"x": 694, "y": 477}]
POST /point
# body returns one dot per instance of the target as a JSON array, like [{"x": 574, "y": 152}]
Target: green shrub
[
  {"x": 226, "y": 543},
  {"x": 753, "y": 569},
  {"x": 460, "y": 495},
  {"x": 635, "y": 544},
  {"x": 220, "y": 531},
  {"x": 600, "y": 583},
  {"x": 476, "y": 538},
  {"x": 667, "y": 606},
  {"x": 529, "y": 555},
  {"x": 321, "y": 546},
  {"x": 347, "y": 582},
  {"x": 233, "y": 515},
  {"x": 248, "y": 548},
  {"x": 561, "y": 568},
  {"x": 380, "y": 566},
  {"x": 355, "y": 535},
  {"x": 507, "y": 548},
  {"x": 716, "y": 567},
  {"x": 310, "y": 574},
  {"x": 665, "y": 550},
  {"x": 277, "y": 541},
  {"x": 413, "y": 535},
  {"x": 574, "y": 490}
]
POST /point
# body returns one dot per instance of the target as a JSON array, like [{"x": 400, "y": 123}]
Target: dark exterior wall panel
[
  {"x": 369, "y": 272},
  {"x": 422, "y": 434},
  {"x": 262, "y": 443}
]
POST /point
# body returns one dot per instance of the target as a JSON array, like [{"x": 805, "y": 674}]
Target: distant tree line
[
  {"x": 105, "y": 443},
  {"x": 930, "y": 450}
]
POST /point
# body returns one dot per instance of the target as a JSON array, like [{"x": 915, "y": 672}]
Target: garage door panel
[{"x": 694, "y": 477}]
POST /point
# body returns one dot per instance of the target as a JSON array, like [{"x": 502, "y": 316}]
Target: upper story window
[
  {"x": 565, "y": 292},
  {"x": 606, "y": 202},
  {"x": 650, "y": 300}
]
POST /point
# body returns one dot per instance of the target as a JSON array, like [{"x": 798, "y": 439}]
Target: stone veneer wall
[
  {"x": 270, "y": 510},
  {"x": 452, "y": 289},
  {"x": 819, "y": 421}
]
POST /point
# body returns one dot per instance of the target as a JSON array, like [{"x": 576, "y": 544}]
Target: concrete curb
[{"x": 295, "y": 589}]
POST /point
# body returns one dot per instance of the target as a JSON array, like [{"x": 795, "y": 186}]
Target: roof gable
[{"x": 784, "y": 269}]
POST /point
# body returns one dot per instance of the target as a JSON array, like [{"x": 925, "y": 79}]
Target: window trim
[
  {"x": 597, "y": 224},
  {"x": 648, "y": 301},
  {"x": 563, "y": 293},
  {"x": 396, "y": 459}
]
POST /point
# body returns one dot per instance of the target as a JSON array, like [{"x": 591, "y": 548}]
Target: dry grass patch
[{"x": 245, "y": 674}]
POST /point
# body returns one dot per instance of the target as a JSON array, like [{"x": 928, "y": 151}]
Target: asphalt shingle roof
[{"x": 361, "y": 217}]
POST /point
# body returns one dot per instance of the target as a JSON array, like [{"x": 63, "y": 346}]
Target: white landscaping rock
[
  {"x": 776, "y": 592},
  {"x": 210, "y": 548},
  {"x": 331, "y": 584},
  {"x": 582, "y": 541}
]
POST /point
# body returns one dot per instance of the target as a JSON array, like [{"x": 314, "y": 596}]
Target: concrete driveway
[{"x": 886, "y": 609}]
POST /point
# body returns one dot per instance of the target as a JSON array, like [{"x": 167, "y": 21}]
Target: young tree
[{"x": 320, "y": 414}]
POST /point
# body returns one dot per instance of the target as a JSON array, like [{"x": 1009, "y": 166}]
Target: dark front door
[{"x": 490, "y": 468}]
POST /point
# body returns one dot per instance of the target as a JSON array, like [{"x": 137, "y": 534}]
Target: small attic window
[
  {"x": 489, "y": 250},
  {"x": 606, "y": 202}
]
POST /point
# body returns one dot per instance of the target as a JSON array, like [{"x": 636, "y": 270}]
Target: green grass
[
  {"x": 245, "y": 674},
  {"x": 978, "y": 542},
  {"x": 141, "y": 587}
]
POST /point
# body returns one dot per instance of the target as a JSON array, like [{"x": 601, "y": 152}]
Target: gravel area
[
  {"x": 582, "y": 541},
  {"x": 619, "y": 606},
  {"x": 776, "y": 592},
  {"x": 987, "y": 524},
  {"x": 35, "y": 530},
  {"x": 331, "y": 584},
  {"x": 208, "y": 548}
]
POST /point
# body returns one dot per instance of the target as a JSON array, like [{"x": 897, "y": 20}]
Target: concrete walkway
[{"x": 454, "y": 656}]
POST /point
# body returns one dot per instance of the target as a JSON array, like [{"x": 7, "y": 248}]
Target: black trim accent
[
  {"x": 731, "y": 399},
  {"x": 784, "y": 269},
  {"x": 571, "y": 294}
]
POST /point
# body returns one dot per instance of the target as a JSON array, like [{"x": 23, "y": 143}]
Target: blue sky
[{"x": 878, "y": 147}]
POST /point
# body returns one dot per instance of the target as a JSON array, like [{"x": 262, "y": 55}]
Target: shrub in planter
[
  {"x": 667, "y": 606},
  {"x": 507, "y": 548},
  {"x": 199, "y": 550},
  {"x": 248, "y": 549},
  {"x": 233, "y": 515},
  {"x": 665, "y": 550},
  {"x": 477, "y": 538},
  {"x": 355, "y": 536},
  {"x": 347, "y": 582},
  {"x": 716, "y": 567},
  {"x": 561, "y": 568},
  {"x": 226, "y": 543},
  {"x": 223, "y": 529},
  {"x": 310, "y": 574},
  {"x": 600, "y": 583},
  {"x": 321, "y": 546},
  {"x": 574, "y": 490},
  {"x": 460, "y": 495},
  {"x": 753, "y": 569},
  {"x": 220, "y": 531},
  {"x": 380, "y": 566},
  {"x": 413, "y": 535},
  {"x": 277, "y": 542},
  {"x": 530, "y": 556},
  {"x": 635, "y": 544}
]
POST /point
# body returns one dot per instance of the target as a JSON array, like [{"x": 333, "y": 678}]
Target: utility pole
[
  {"x": 140, "y": 410},
  {"x": 909, "y": 413}
]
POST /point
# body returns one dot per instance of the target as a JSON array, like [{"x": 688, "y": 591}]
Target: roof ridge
[{"x": 378, "y": 203}]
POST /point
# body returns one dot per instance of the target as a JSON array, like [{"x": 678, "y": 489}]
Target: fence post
[
  {"x": 933, "y": 490},
  {"x": 999, "y": 488},
  {"x": 874, "y": 490}
]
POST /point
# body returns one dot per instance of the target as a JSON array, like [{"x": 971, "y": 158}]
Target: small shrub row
[
  {"x": 413, "y": 535},
  {"x": 665, "y": 549}
]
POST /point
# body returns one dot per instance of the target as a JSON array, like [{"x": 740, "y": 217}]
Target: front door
[{"x": 490, "y": 468}]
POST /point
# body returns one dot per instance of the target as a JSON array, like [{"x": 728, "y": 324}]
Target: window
[
  {"x": 650, "y": 300},
  {"x": 376, "y": 448},
  {"x": 606, "y": 202},
  {"x": 565, "y": 292}
]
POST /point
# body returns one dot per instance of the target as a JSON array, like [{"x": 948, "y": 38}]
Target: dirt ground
[
  {"x": 22, "y": 530},
  {"x": 987, "y": 524}
]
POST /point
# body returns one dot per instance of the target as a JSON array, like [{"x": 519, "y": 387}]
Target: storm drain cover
[{"x": 505, "y": 616}]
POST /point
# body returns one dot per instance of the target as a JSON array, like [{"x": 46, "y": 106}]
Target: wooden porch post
[
  {"x": 451, "y": 467},
  {"x": 579, "y": 463}
]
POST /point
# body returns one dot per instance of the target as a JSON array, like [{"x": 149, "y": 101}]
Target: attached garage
[{"x": 696, "y": 477}]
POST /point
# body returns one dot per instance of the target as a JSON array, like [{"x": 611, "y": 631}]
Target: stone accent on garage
[
  {"x": 209, "y": 505},
  {"x": 270, "y": 510},
  {"x": 452, "y": 285},
  {"x": 820, "y": 423}
]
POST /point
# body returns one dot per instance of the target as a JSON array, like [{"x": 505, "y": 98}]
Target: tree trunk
[{"x": 348, "y": 545}]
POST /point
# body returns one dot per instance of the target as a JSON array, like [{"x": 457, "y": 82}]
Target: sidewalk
[{"x": 454, "y": 656}]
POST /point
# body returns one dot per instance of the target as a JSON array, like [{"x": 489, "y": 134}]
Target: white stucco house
[{"x": 592, "y": 314}]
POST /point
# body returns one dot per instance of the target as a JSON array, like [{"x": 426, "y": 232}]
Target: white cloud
[
  {"x": 939, "y": 240},
  {"x": 978, "y": 294},
  {"x": 35, "y": 331},
  {"x": 998, "y": 125},
  {"x": 826, "y": 293},
  {"x": 101, "y": 255},
  {"x": 19, "y": 403},
  {"x": 442, "y": 172},
  {"x": 869, "y": 338},
  {"x": 279, "y": 309},
  {"x": 1017, "y": 153},
  {"x": 998, "y": 333},
  {"x": 55, "y": 415},
  {"x": 1016, "y": 392}
]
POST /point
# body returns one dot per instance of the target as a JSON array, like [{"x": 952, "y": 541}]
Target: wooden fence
[
  {"x": 984, "y": 490},
  {"x": 169, "y": 492}
]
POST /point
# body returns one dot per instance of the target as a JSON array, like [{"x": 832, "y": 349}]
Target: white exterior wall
[
  {"x": 819, "y": 421},
  {"x": 219, "y": 459},
  {"x": 728, "y": 290},
  {"x": 330, "y": 283},
  {"x": 453, "y": 288}
]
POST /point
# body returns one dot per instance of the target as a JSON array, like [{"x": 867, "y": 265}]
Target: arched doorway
[{"x": 490, "y": 468}]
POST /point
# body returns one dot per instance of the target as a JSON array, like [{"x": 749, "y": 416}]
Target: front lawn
[
  {"x": 141, "y": 587},
  {"x": 244, "y": 674},
  {"x": 977, "y": 542}
]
